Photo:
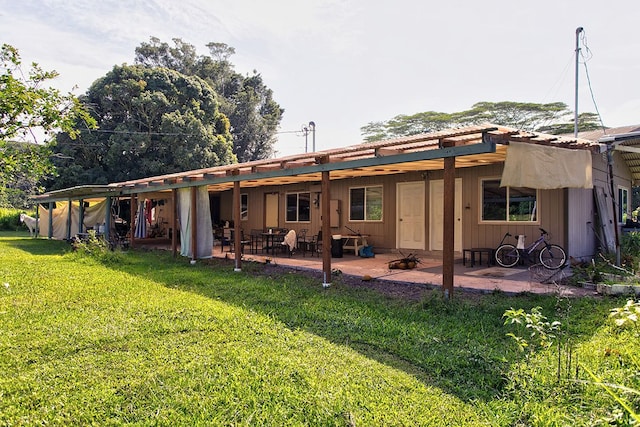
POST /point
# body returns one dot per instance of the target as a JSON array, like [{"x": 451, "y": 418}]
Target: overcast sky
[{"x": 345, "y": 63}]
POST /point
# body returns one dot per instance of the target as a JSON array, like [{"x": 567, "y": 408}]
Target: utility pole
[
  {"x": 305, "y": 130},
  {"x": 575, "y": 113},
  {"x": 312, "y": 125}
]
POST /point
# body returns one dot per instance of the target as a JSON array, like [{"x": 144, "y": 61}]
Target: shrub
[
  {"x": 10, "y": 219},
  {"x": 96, "y": 247}
]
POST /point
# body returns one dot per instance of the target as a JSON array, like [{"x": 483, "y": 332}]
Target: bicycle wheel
[
  {"x": 507, "y": 255},
  {"x": 552, "y": 257}
]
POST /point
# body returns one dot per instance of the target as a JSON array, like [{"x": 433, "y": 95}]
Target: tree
[
  {"x": 586, "y": 122},
  {"x": 28, "y": 108},
  {"x": 153, "y": 121},
  {"x": 550, "y": 118},
  {"x": 245, "y": 100}
]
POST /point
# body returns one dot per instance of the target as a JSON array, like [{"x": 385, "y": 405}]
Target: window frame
[
  {"x": 297, "y": 207},
  {"x": 365, "y": 209},
  {"x": 244, "y": 202},
  {"x": 623, "y": 209},
  {"x": 506, "y": 220}
]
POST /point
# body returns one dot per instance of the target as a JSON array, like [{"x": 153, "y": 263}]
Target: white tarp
[
  {"x": 58, "y": 221},
  {"x": 544, "y": 167},
  {"x": 205, "y": 231},
  {"x": 94, "y": 215}
]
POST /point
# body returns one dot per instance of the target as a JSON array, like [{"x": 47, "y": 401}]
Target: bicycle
[{"x": 551, "y": 256}]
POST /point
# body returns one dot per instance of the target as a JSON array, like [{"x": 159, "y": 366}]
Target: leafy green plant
[
  {"x": 541, "y": 332},
  {"x": 627, "y": 315},
  {"x": 630, "y": 243},
  {"x": 95, "y": 246}
]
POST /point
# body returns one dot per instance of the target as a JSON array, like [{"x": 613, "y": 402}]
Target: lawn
[{"x": 142, "y": 338}]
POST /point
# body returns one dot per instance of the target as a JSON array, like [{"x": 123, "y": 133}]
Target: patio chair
[
  {"x": 255, "y": 236},
  {"x": 302, "y": 241},
  {"x": 243, "y": 242},
  {"x": 289, "y": 242},
  {"x": 315, "y": 244}
]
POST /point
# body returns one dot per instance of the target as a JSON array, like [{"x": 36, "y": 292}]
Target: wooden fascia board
[
  {"x": 441, "y": 153},
  {"x": 383, "y": 152},
  {"x": 44, "y": 198}
]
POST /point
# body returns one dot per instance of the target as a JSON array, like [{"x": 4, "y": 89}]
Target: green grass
[{"x": 140, "y": 338}]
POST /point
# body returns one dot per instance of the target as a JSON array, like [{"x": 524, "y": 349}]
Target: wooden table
[
  {"x": 272, "y": 241},
  {"x": 354, "y": 242}
]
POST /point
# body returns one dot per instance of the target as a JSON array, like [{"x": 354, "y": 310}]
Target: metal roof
[
  {"x": 471, "y": 145},
  {"x": 625, "y": 140}
]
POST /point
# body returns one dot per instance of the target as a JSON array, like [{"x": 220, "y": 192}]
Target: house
[{"x": 434, "y": 193}]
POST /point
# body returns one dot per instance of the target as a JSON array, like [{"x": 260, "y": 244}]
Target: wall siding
[{"x": 564, "y": 213}]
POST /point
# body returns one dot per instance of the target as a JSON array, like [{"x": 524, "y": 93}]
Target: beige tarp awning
[
  {"x": 94, "y": 215},
  {"x": 544, "y": 167}
]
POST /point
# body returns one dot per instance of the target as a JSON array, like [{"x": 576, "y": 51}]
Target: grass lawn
[{"x": 140, "y": 338}]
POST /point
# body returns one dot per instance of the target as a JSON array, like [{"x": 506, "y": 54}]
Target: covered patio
[
  {"x": 481, "y": 278},
  {"x": 445, "y": 151}
]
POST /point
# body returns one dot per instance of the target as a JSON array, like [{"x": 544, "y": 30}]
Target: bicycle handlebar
[{"x": 543, "y": 231}]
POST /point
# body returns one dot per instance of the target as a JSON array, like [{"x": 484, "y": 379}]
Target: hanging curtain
[
  {"x": 59, "y": 221},
  {"x": 94, "y": 214},
  {"x": 141, "y": 222},
  {"x": 205, "y": 230}
]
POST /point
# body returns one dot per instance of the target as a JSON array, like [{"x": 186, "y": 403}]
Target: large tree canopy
[
  {"x": 553, "y": 118},
  {"x": 29, "y": 110},
  {"x": 245, "y": 100},
  {"x": 152, "y": 121}
]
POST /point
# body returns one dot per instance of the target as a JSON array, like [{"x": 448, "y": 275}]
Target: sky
[{"x": 345, "y": 63}]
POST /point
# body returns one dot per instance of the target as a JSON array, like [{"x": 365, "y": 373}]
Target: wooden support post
[
  {"x": 50, "y": 233},
  {"x": 326, "y": 227},
  {"x": 174, "y": 223},
  {"x": 132, "y": 220},
  {"x": 448, "y": 225},
  {"x": 68, "y": 234},
  {"x": 107, "y": 220},
  {"x": 237, "y": 230},
  {"x": 37, "y": 233},
  {"x": 81, "y": 216},
  {"x": 194, "y": 223}
]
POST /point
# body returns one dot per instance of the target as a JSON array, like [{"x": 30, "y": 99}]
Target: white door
[
  {"x": 436, "y": 215},
  {"x": 410, "y": 214}
]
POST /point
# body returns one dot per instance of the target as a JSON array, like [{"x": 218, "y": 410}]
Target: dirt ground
[{"x": 397, "y": 290}]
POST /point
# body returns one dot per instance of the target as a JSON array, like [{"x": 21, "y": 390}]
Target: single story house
[{"x": 435, "y": 193}]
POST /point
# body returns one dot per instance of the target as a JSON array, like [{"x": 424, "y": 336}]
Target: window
[
  {"x": 365, "y": 204},
  {"x": 244, "y": 207},
  {"x": 512, "y": 204},
  {"x": 623, "y": 204},
  {"x": 298, "y": 207}
]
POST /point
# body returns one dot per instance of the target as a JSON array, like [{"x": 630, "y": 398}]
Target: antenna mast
[{"x": 575, "y": 113}]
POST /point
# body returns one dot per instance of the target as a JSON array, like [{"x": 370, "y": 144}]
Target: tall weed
[{"x": 97, "y": 248}]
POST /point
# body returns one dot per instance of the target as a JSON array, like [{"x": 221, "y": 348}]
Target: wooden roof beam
[
  {"x": 383, "y": 151},
  {"x": 265, "y": 168}
]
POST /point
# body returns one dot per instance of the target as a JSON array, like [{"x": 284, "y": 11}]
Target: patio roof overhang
[
  {"x": 628, "y": 144},
  {"x": 471, "y": 146}
]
